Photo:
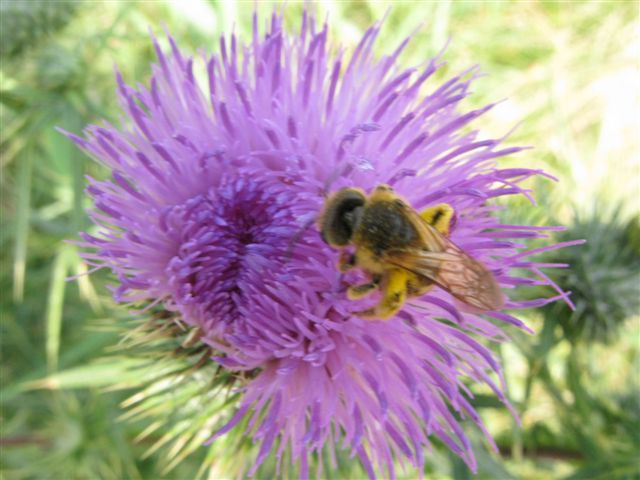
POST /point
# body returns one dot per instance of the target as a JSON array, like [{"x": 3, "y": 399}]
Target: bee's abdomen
[{"x": 384, "y": 225}]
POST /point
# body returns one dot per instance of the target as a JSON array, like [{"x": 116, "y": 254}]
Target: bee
[{"x": 403, "y": 252}]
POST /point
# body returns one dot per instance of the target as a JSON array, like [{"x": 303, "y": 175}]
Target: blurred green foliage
[
  {"x": 570, "y": 72},
  {"x": 604, "y": 276},
  {"x": 25, "y": 24}
]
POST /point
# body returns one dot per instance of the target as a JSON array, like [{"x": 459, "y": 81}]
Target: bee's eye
[{"x": 341, "y": 215}]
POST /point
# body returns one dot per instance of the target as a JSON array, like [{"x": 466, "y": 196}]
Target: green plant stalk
[
  {"x": 566, "y": 412},
  {"x": 516, "y": 436},
  {"x": 535, "y": 356}
]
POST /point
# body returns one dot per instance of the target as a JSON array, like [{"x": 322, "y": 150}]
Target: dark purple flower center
[{"x": 231, "y": 238}]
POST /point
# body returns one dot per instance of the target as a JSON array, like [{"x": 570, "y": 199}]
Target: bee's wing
[{"x": 443, "y": 262}]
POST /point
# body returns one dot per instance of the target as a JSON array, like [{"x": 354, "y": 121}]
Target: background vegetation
[{"x": 570, "y": 72}]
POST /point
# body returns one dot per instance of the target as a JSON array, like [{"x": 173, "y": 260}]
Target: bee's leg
[
  {"x": 359, "y": 291},
  {"x": 417, "y": 285},
  {"x": 439, "y": 216},
  {"x": 346, "y": 261},
  {"x": 394, "y": 294}
]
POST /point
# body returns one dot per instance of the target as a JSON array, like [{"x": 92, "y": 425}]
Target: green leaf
[
  {"x": 55, "y": 305},
  {"x": 71, "y": 161}
]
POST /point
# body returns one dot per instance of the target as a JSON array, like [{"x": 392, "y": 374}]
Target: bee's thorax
[{"x": 383, "y": 226}]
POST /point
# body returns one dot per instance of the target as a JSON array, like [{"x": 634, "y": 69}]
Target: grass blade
[
  {"x": 22, "y": 223},
  {"x": 55, "y": 304}
]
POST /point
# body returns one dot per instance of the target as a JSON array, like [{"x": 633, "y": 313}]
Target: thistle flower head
[
  {"x": 605, "y": 276},
  {"x": 217, "y": 171}
]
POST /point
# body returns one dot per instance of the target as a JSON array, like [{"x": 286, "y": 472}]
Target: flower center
[{"x": 231, "y": 238}]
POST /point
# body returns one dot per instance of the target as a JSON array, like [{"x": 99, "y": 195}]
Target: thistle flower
[
  {"x": 605, "y": 276},
  {"x": 212, "y": 187}
]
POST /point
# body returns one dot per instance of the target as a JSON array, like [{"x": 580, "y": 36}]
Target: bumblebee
[{"x": 403, "y": 252}]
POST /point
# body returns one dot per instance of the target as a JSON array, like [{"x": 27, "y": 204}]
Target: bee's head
[
  {"x": 342, "y": 212},
  {"x": 383, "y": 188}
]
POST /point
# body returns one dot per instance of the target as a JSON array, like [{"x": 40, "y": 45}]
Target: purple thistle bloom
[{"x": 210, "y": 184}]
